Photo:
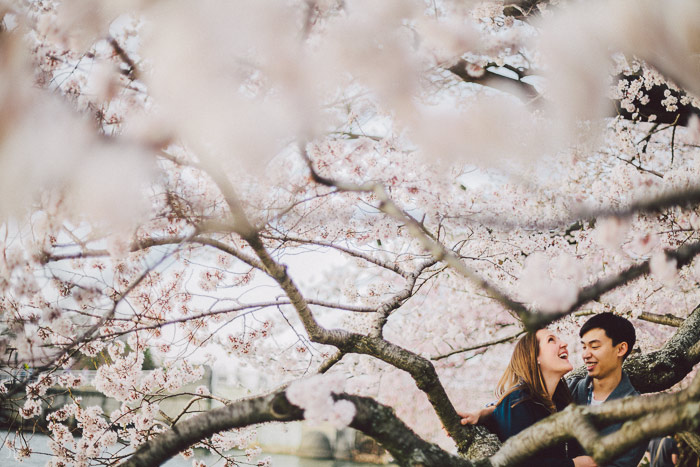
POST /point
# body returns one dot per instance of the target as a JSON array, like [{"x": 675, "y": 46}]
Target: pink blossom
[
  {"x": 663, "y": 268},
  {"x": 611, "y": 232}
]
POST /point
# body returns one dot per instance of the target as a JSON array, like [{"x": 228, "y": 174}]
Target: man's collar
[{"x": 623, "y": 388}]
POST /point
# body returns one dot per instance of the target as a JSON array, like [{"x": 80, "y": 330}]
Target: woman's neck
[{"x": 551, "y": 380}]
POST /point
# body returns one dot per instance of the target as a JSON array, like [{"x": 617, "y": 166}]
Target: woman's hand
[
  {"x": 477, "y": 416},
  {"x": 584, "y": 461}
]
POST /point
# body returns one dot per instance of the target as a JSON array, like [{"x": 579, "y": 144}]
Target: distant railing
[{"x": 29, "y": 375}]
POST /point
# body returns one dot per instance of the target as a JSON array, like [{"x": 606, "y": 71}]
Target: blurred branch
[
  {"x": 528, "y": 93},
  {"x": 683, "y": 256},
  {"x": 521, "y": 9},
  {"x": 495, "y": 80},
  {"x": 131, "y": 71},
  {"x": 684, "y": 199}
]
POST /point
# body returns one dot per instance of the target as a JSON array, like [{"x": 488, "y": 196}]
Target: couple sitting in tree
[{"x": 532, "y": 387}]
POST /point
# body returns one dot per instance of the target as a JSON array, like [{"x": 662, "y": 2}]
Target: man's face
[{"x": 600, "y": 356}]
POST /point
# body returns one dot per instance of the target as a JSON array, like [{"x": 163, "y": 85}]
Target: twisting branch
[
  {"x": 407, "y": 448},
  {"x": 682, "y": 198},
  {"x": 397, "y": 300},
  {"x": 420, "y": 369}
]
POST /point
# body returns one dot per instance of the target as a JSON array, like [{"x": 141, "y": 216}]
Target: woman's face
[{"x": 554, "y": 355}]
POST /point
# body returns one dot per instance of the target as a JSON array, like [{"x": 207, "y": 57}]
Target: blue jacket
[
  {"x": 518, "y": 411},
  {"x": 582, "y": 394}
]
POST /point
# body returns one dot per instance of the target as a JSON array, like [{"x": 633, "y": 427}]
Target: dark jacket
[
  {"x": 518, "y": 411},
  {"x": 582, "y": 392}
]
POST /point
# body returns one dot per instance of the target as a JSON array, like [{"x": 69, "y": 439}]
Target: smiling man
[{"x": 607, "y": 340}]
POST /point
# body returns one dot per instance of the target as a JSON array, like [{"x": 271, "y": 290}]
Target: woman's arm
[{"x": 478, "y": 417}]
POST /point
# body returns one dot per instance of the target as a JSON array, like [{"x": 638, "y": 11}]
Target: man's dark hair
[{"x": 616, "y": 328}]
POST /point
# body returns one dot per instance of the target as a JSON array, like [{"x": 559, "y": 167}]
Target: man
[
  {"x": 662, "y": 452},
  {"x": 607, "y": 340}
]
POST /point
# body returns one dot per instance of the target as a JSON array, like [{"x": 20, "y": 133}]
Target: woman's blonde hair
[{"x": 523, "y": 372}]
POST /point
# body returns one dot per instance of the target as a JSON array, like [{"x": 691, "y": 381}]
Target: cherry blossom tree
[{"x": 365, "y": 201}]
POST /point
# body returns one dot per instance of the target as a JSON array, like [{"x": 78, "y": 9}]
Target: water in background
[{"x": 39, "y": 443}]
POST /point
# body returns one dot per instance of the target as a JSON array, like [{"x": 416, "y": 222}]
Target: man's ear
[{"x": 622, "y": 348}]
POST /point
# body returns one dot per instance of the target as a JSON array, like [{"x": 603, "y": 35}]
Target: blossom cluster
[{"x": 315, "y": 396}]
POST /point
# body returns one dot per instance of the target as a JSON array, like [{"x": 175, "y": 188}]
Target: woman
[{"x": 530, "y": 389}]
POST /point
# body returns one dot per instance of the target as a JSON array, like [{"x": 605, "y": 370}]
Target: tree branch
[
  {"x": 490, "y": 343},
  {"x": 371, "y": 417},
  {"x": 144, "y": 244},
  {"x": 668, "y": 319},
  {"x": 397, "y": 300},
  {"x": 391, "y": 266}
]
